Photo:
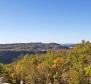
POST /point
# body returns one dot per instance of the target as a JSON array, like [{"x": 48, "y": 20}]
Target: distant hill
[{"x": 9, "y": 52}]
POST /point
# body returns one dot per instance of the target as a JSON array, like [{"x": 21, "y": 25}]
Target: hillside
[
  {"x": 65, "y": 66},
  {"x": 9, "y": 52}
]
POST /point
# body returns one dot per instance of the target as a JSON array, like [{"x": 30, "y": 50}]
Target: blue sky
[{"x": 62, "y": 21}]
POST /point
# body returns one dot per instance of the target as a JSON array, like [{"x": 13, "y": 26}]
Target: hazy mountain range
[{"x": 9, "y": 52}]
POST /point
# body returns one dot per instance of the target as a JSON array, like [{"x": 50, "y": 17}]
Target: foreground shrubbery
[{"x": 71, "y": 66}]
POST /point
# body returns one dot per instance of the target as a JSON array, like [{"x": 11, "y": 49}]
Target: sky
[{"x": 61, "y": 21}]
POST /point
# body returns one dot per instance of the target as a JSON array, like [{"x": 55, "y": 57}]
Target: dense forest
[{"x": 63, "y": 66}]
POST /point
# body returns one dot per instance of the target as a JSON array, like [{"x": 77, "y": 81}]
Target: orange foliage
[{"x": 58, "y": 60}]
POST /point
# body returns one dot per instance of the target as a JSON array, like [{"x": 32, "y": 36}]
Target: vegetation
[{"x": 67, "y": 66}]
